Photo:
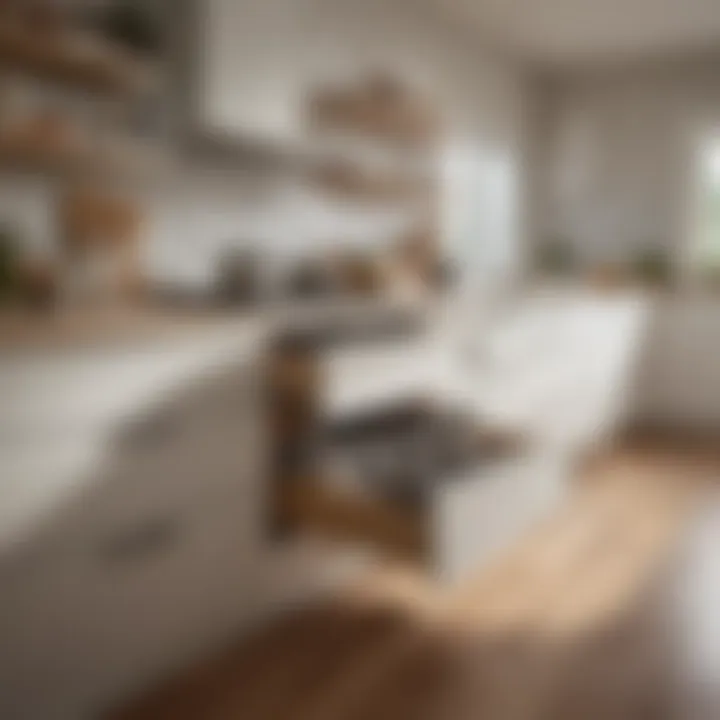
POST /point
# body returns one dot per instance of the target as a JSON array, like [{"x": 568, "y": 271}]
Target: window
[
  {"x": 480, "y": 194},
  {"x": 706, "y": 240}
]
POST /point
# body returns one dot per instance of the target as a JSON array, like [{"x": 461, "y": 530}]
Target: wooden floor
[{"x": 571, "y": 624}]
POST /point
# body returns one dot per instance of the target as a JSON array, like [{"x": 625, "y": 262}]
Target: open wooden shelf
[
  {"x": 348, "y": 181},
  {"x": 386, "y": 134},
  {"x": 24, "y": 157},
  {"x": 61, "y": 60},
  {"x": 391, "y": 115},
  {"x": 73, "y": 162}
]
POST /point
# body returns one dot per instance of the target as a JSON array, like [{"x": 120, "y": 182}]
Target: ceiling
[{"x": 568, "y": 32}]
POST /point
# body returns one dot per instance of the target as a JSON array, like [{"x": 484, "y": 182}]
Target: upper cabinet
[
  {"x": 254, "y": 68},
  {"x": 259, "y": 63}
]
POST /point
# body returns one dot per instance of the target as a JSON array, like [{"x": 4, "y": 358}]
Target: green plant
[
  {"x": 710, "y": 276},
  {"x": 130, "y": 23},
  {"x": 556, "y": 258},
  {"x": 653, "y": 266}
]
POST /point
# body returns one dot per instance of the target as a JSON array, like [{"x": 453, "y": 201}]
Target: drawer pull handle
[
  {"x": 151, "y": 431},
  {"x": 141, "y": 541}
]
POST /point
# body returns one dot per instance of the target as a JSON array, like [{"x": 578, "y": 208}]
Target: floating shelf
[
  {"x": 23, "y": 157},
  {"x": 72, "y": 162},
  {"x": 62, "y": 61},
  {"x": 398, "y": 120}
]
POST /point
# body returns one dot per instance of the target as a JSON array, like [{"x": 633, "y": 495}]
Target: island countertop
[
  {"x": 113, "y": 326},
  {"x": 71, "y": 380}
]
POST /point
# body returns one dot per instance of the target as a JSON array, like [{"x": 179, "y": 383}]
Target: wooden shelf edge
[{"x": 58, "y": 61}]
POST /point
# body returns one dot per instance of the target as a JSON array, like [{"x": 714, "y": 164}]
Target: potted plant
[
  {"x": 710, "y": 277},
  {"x": 653, "y": 268},
  {"x": 130, "y": 24},
  {"x": 556, "y": 259}
]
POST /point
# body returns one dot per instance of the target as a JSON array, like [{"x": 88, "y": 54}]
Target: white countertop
[
  {"x": 551, "y": 363},
  {"x": 70, "y": 382},
  {"x": 60, "y": 409}
]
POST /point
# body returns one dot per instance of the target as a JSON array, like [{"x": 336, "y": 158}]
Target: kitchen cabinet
[
  {"x": 131, "y": 513},
  {"x": 254, "y": 68},
  {"x": 680, "y": 380}
]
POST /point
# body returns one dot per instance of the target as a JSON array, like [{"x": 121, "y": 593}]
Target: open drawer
[
  {"x": 387, "y": 478},
  {"x": 313, "y": 504}
]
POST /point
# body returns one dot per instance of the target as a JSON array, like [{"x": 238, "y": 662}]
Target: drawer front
[{"x": 127, "y": 601}]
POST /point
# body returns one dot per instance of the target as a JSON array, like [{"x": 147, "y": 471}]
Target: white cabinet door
[{"x": 252, "y": 56}]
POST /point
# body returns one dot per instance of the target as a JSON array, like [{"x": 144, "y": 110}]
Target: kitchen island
[
  {"x": 134, "y": 503},
  {"x": 133, "y": 507}
]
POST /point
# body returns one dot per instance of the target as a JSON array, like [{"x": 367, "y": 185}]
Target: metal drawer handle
[
  {"x": 151, "y": 431},
  {"x": 143, "y": 540}
]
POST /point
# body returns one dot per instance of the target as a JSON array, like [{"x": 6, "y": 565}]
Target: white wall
[
  {"x": 193, "y": 217},
  {"x": 257, "y": 62},
  {"x": 261, "y": 60},
  {"x": 618, "y": 159},
  {"x": 26, "y": 207}
]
